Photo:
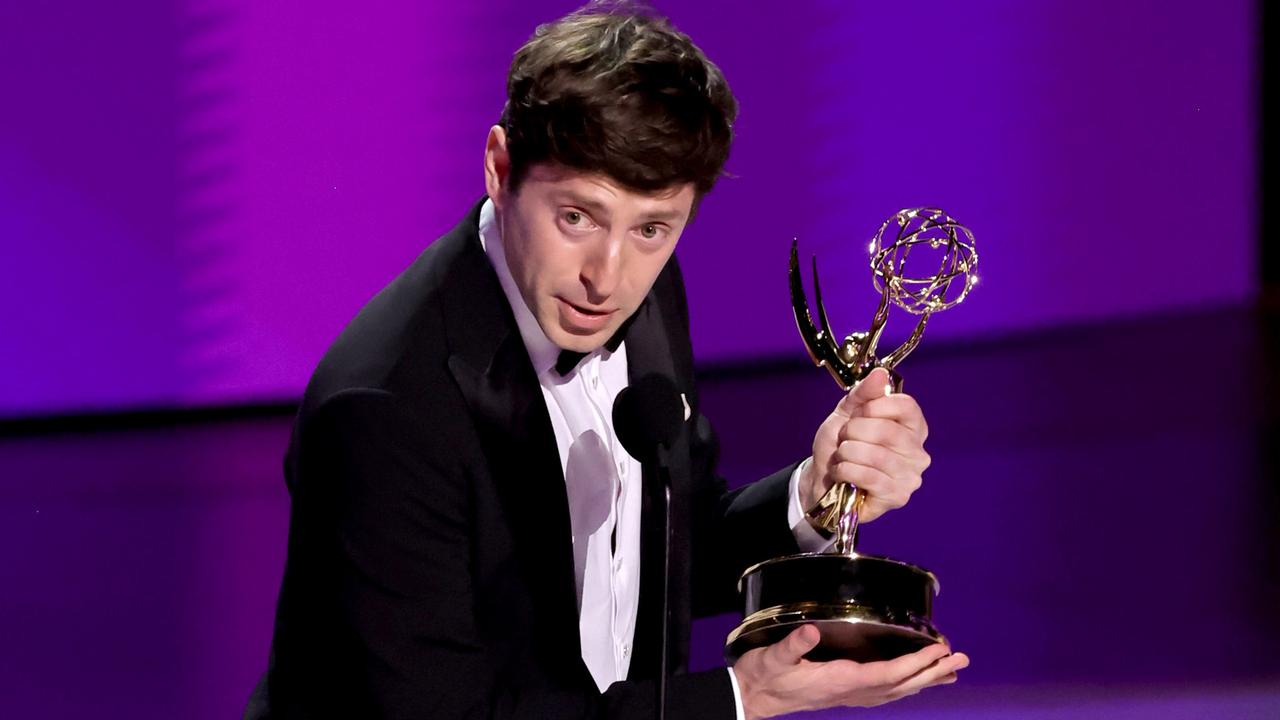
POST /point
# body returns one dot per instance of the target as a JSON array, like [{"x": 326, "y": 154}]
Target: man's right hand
[{"x": 776, "y": 680}]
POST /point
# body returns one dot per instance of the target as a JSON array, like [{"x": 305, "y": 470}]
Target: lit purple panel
[
  {"x": 1101, "y": 152},
  {"x": 337, "y": 143},
  {"x": 195, "y": 198},
  {"x": 89, "y": 290}
]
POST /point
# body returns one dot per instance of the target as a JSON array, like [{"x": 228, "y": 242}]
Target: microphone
[{"x": 647, "y": 415}]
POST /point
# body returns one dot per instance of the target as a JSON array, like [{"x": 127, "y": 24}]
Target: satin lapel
[
  {"x": 649, "y": 351},
  {"x": 494, "y": 373}
]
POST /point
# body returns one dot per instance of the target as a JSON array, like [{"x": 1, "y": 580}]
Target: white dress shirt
[{"x": 602, "y": 482}]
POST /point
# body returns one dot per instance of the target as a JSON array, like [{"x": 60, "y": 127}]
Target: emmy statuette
[{"x": 866, "y": 607}]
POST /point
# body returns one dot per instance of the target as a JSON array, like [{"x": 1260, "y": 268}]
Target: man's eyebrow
[
  {"x": 570, "y": 197},
  {"x": 598, "y": 209},
  {"x": 667, "y": 216}
]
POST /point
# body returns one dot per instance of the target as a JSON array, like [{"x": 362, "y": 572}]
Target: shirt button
[
  {"x": 626, "y": 649},
  {"x": 622, "y": 468},
  {"x": 595, "y": 382}
]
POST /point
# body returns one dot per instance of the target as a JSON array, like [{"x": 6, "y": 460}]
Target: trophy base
[
  {"x": 866, "y": 608},
  {"x": 848, "y": 632}
]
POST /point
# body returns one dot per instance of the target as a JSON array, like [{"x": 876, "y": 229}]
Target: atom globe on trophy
[{"x": 866, "y": 607}]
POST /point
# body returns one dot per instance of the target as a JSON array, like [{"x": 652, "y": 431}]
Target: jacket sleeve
[
  {"x": 375, "y": 616},
  {"x": 732, "y": 530}
]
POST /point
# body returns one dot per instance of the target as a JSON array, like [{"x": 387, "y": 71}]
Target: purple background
[{"x": 196, "y": 196}]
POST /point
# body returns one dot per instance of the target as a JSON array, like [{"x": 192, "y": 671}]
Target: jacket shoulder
[{"x": 398, "y": 339}]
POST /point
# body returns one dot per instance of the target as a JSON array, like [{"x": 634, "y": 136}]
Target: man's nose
[{"x": 602, "y": 270}]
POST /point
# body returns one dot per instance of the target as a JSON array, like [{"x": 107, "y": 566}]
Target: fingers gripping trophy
[{"x": 867, "y": 608}]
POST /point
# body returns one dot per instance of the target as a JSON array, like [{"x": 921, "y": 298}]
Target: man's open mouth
[{"x": 586, "y": 311}]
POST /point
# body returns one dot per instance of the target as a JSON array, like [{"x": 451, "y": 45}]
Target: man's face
[{"x": 584, "y": 251}]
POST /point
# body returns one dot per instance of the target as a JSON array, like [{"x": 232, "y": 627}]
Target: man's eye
[
  {"x": 649, "y": 231},
  {"x": 573, "y": 217}
]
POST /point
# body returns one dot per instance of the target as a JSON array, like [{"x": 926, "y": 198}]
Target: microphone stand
[
  {"x": 664, "y": 477},
  {"x": 641, "y": 412}
]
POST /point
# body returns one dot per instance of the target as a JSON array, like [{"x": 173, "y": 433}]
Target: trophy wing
[
  {"x": 819, "y": 342},
  {"x": 823, "y": 322}
]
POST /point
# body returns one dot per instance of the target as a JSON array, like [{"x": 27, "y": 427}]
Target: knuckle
[
  {"x": 886, "y": 432},
  {"x": 877, "y": 456},
  {"x": 848, "y": 451},
  {"x": 866, "y": 478},
  {"x": 903, "y": 436},
  {"x": 847, "y": 431},
  {"x": 845, "y": 472},
  {"x": 854, "y": 429}
]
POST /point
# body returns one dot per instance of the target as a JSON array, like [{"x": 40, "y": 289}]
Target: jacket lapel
[{"x": 493, "y": 371}]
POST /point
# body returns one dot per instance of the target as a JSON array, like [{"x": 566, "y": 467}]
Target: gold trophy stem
[
  {"x": 849, "y": 498},
  {"x": 837, "y": 512}
]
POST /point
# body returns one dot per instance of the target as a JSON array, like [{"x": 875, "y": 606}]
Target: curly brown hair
[{"x": 614, "y": 89}]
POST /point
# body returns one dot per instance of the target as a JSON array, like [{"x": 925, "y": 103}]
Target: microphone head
[{"x": 646, "y": 414}]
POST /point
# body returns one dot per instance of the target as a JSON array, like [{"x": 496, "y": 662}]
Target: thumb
[
  {"x": 791, "y": 649},
  {"x": 875, "y": 385}
]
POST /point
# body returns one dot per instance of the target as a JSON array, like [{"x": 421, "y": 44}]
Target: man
[{"x": 467, "y": 537}]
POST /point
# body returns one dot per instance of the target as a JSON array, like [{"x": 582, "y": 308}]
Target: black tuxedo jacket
[{"x": 430, "y": 570}]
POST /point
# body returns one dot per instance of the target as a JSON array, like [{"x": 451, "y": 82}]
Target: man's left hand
[{"x": 873, "y": 440}]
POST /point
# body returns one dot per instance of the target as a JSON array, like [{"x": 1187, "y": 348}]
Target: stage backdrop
[{"x": 196, "y": 195}]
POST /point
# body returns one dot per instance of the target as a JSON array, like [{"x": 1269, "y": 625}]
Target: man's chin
[
  {"x": 567, "y": 337},
  {"x": 583, "y": 343}
]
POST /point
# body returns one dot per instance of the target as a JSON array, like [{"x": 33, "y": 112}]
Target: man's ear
[{"x": 497, "y": 165}]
